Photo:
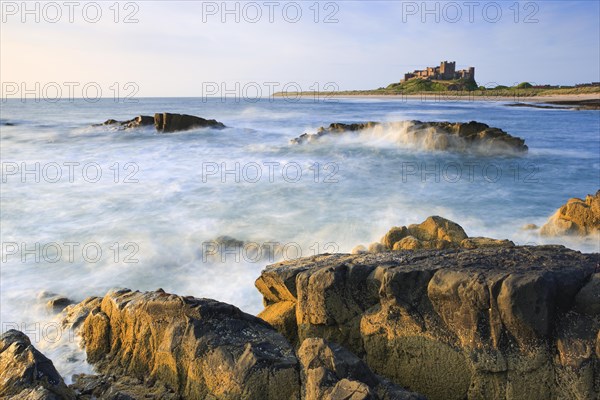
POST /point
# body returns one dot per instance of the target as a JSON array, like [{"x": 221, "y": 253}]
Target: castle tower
[
  {"x": 447, "y": 69},
  {"x": 472, "y": 72}
]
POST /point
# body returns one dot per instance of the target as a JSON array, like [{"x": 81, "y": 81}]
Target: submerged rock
[
  {"x": 166, "y": 122},
  {"x": 55, "y": 303},
  {"x": 443, "y": 136},
  {"x": 199, "y": 348},
  {"x": 577, "y": 217},
  {"x": 25, "y": 373},
  {"x": 515, "y": 322}
]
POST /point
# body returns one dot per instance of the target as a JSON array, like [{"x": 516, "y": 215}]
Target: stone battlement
[{"x": 445, "y": 72}]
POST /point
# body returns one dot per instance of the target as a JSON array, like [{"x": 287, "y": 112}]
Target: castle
[{"x": 445, "y": 72}]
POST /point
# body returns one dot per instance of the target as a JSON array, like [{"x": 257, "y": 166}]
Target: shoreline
[{"x": 442, "y": 97}]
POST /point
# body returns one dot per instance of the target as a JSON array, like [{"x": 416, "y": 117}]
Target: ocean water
[{"x": 86, "y": 209}]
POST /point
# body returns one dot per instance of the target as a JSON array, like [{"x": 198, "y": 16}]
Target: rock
[
  {"x": 587, "y": 300},
  {"x": 25, "y": 373},
  {"x": 226, "y": 247},
  {"x": 54, "y": 303},
  {"x": 440, "y": 136},
  {"x": 58, "y": 303},
  {"x": 435, "y": 233},
  {"x": 360, "y": 249},
  {"x": 529, "y": 227},
  {"x": 199, "y": 348},
  {"x": 167, "y": 122},
  {"x": 407, "y": 243},
  {"x": 140, "y": 120},
  {"x": 492, "y": 322},
  {"x": 394, "y": 235},
  {"x": 377, "y": 247},
  {"x": 577, "y": 217},
  {"x": 332, "y": 372},
  {"x": 479, "y": 242},
  {"x": 120, "y": 388},
  {"x": 74, "y": 315}
]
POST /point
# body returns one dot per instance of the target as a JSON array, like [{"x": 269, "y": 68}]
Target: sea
[{"x": 85, "y": 209}]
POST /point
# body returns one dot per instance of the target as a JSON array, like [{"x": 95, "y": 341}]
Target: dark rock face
[
  {"x": 440, "y": 136},
  {"x": 166, "y": 122},
  {"x": 332, "y": 372},
  {"x": 25, "y": 373},
  {"x": 111, "y": 387},
  {"x": 515, "y": 322},
  {"x": 197, "y": 347}
]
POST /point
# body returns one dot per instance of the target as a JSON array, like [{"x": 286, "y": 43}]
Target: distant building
[{"x": 445, "y": 72}]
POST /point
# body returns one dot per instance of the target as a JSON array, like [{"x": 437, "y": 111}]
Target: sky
[{"x": 195, "y": 48}]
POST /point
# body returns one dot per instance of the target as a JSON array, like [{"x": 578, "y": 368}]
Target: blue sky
[{"x": 175, "y": 47}]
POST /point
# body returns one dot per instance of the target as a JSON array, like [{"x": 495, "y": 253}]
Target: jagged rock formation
[
  {"x": 197, "y": 347},
  {"x": 516, "y": 322},
  {"x": 171, "y": 347},
  {"x": 25, "y": 373},
  {"x": 444, "y": 136},
  {"x": 433, "y": 233},
  {"x": 577, "y": 217},
  {"x": 166, "y": 122}
]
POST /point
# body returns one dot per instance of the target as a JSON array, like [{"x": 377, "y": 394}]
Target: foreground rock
[
  {"x": 25, "y": 373},
  {"x": 165, "y": 346},
  {"x": 577, "y": 217},
  {"x": 167, "y": 122},
  {"x": 433, "y": 233},
  {"x": 516, "y": 322},
  {"x": 197, "y": 347},
  {"x": 443, "y": 136}
]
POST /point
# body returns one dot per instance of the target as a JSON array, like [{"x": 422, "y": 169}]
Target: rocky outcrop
[
  {"x": 25, "y": 373},
  {"x": 332, "y": 372},
  {"x": 577, "y": 217},
  {"x": 139, "y": 121},
  {"x": 443, "y": 136},
  {"x": 165, "y": 346},
  {"x": 197, "y": 347},
  {"x": 433, "y": 233},
  {"x": 514, "y": 322},
  {"x": 166, "y": 122}
]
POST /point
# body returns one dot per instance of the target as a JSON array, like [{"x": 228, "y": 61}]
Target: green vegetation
[
  {"x": 425, "y": 85},
  {"x": 454, "y": 89},
  {"x": 524, "y": 85}
]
